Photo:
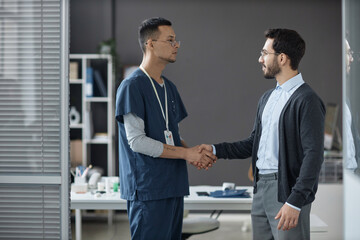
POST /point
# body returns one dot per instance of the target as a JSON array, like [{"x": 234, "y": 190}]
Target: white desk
[{"x": 191, "y": 202}]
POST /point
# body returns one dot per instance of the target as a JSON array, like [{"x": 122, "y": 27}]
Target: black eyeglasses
[
  {"x": 264, "y": 53},
  {"x": 172, "y": 42}
]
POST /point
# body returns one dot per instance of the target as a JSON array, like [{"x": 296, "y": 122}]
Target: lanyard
[{"x": 166, "y": 118}]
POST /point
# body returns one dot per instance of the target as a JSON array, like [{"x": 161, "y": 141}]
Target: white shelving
[
  {"x": 74, "y": 126},
  {"x": 97, "y": 99},
  {"x": 89, "y": 123},
  {"x": 76, "y": 81}
]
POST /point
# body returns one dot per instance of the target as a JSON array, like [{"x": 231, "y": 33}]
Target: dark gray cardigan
[{"x": 301, "y": 146}]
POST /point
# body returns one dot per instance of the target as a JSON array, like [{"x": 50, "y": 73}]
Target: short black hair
[
  {"x": 149, "y": 27},
  {"x": 289, "y": 42}
]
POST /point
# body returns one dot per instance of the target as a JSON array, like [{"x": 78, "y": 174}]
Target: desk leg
[
  {"x": 78, "y": 224},
  {"x": 110, "y": 217}
]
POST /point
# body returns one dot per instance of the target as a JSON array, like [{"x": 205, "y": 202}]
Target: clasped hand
[{"x": 201, "y": 156}]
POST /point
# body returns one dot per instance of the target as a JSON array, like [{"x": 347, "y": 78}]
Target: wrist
[
  {"x": 293, "y": 207},
  {"x": 213, "y": 149},
  {"x": 185, "y": 153}
]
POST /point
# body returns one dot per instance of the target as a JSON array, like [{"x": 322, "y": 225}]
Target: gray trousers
[{"x": 266, "y": 206}]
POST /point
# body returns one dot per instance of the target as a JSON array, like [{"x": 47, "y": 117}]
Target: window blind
[
  {"x": 29, "y": 212},
  {"x": 30, "y": 87},
  {"x": 34, "y": 197}
]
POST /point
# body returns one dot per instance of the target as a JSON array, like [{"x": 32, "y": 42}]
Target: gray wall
[{"x": 217, "y": 71}]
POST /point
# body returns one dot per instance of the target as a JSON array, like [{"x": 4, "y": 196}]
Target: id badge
[{"x": 169, "y": 138}]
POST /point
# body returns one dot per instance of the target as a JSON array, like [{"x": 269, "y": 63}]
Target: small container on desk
[{"x": 80, "y": 185}]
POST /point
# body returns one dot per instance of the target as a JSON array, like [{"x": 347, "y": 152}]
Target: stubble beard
[{"x": 169, "y": 60}]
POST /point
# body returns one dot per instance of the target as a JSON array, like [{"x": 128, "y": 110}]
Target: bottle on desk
[{"x": 108, "y": 185}]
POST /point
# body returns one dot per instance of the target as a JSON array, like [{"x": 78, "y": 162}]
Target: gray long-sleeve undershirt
[{"x": 137, "y": 139}]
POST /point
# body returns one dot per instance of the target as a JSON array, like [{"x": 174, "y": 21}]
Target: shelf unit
[
  {"x": 96, "y": 111},
  {"x": 332, "y": 168}
]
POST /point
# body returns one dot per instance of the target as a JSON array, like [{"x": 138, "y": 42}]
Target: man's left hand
[{"x": 288, "y": 217}]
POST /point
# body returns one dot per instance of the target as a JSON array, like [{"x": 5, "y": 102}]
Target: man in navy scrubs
[{"x": 152, "y": 156}]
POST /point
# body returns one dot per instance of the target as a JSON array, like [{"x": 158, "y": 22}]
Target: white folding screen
[{"x": 34, "y": 162}]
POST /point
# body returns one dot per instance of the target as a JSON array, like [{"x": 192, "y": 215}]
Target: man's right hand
[
  {"x": 206, "y": 147},
  {"x": 202, "y": 159}
]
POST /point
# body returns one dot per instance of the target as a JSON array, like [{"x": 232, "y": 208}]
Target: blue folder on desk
[{"x": 241, "y": 193}]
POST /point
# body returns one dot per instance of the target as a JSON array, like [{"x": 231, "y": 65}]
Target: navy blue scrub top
[{"x": 143, "y": 177}]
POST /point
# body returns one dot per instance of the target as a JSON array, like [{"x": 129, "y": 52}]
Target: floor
[{"x": 232, "y": 226}]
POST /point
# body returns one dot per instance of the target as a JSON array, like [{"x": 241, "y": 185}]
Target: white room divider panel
[{"x": 34, "y": 146}]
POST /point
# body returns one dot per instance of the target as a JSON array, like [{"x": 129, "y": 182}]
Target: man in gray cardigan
[{"x": 286, "y": 144}]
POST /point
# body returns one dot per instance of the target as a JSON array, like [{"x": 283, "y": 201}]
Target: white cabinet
[{"x": 92, "y": 95}]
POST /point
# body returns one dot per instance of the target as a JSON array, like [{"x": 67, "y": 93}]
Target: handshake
[{"x": 200, "y": 156}]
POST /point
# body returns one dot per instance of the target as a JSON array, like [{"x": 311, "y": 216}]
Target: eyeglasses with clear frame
[
  {"x": 172, "y": 42},
  {"x": 264, "y": 53}
]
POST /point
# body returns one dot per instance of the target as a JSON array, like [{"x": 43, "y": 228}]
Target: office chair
[{"x": 192, "y": 226}]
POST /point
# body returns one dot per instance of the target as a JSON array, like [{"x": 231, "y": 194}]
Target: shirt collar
[{"x": 291, "y": 83}]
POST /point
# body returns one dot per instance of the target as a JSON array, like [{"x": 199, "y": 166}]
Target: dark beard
[{"x": 273, "y": 70}]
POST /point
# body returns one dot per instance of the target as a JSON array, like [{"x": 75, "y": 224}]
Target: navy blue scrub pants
[{"x": 157, "y": 219}]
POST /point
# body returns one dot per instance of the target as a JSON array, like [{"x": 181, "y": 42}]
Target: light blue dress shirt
[{"x": 268, "y": 152}]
